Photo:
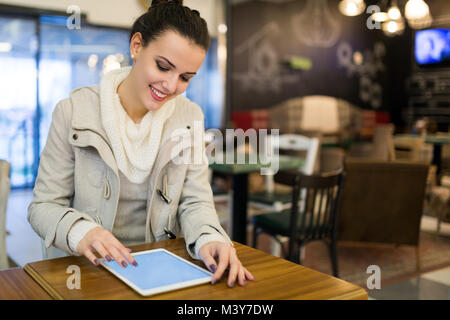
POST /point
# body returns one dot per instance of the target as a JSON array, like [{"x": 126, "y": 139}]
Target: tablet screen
[{"x": 158, "y": 271}]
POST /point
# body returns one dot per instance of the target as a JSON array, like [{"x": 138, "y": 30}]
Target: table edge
[{"x": 41, "y": 282}]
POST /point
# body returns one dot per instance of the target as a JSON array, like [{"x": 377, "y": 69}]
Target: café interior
[{"x": 353, "y": 92}]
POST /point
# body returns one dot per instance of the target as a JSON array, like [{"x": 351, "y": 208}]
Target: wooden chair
[
  {"x": 382, "y": 203},
  {"x": 276, "y": 201},
  {"x": 315, "y": 220},
  {"x": 4, "y": 194}
]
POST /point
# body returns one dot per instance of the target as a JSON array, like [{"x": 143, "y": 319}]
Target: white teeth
[{"x": 157, "y": 93}]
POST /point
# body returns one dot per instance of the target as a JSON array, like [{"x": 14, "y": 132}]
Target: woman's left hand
[{"x": 227, "y": 258}]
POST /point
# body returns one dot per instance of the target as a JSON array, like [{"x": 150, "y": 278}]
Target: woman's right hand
[{"x": 105, "y": 244}]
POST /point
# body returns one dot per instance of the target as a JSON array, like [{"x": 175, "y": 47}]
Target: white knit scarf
[{"x": 135, "y": 146}]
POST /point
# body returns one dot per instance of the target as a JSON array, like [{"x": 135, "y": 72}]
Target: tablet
[{"x": 158, "y": 271}]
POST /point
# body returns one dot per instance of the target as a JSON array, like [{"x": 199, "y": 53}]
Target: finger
[
  {"x": 232, "y": 275},
  {"x": 127, "y": 255},
  {"x": 91, "y": 257},
  {"x": 117, "y": 256},
  {"x": 241, "y": 276},
  {"x": 97, "y": 245},
  {"x": 234, "y": 269},
  {"x": 224, "y": 255},
  {"x": 124, "y": 251},
  {"x": 248, "y": 275},
  {"x": 209, "y": 261}
]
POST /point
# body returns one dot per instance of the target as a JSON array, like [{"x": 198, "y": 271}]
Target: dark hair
[{"x": 166, "y": 15}]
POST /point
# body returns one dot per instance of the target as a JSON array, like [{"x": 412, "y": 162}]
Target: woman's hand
[
  {"x": 105, "y": 244},
  {"x": 227, "y": 258}
]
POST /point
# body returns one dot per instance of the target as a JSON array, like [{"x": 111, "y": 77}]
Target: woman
[{"x": 107, "y": 177}]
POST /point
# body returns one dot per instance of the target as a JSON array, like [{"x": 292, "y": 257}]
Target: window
[
  {"x": 205, "y": 88},
  {"x": 64, "y": 59},
  {"x": 18, "y": 92},
  {"x": 42, "y": 61}
]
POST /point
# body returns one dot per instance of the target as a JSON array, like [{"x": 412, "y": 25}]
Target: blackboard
[{"x": 267, "y": 33}]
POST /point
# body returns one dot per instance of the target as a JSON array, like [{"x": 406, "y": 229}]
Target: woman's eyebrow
[{"x": 173, "y": 66}]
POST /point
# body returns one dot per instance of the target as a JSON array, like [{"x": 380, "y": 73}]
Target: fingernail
[
  {"x": 212, "y": 268},
  {"x": 232, "y": 285},
  {"x": 108, "y": 258},
  {"x": 134, "y": 263},
  {"x": 124, "y": 264},
  {"x": 213, "y": 281},
  {"x": 96, "y": 262},
  {"x": 129, "y": 249}
]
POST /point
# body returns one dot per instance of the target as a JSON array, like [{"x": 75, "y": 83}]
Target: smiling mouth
[{"x": 156, "y": 94}]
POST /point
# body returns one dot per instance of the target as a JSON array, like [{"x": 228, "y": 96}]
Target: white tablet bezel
[{"x": 171, "y": 287}]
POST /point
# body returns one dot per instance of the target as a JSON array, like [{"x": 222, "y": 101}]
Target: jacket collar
[{"x": 86, "y": 110}]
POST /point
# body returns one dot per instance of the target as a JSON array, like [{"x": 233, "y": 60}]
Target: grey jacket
[{"x": 78, "y": 179}]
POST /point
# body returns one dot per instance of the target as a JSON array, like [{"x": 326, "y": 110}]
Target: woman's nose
[{"x": 170, "y": 84}]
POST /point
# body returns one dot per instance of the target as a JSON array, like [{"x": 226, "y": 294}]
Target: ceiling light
[
  {"x": 352, "y": 7},
  {"x": 394, "y": 13},
  {"x": 393, "y": 27},
  {"x": 379, "y": 16},
  {"x": 421, "y": 23},
  {"x": 416, "y": 9}
]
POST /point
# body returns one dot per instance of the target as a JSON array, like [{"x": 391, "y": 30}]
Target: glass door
[{"x": 18, "y": 96}]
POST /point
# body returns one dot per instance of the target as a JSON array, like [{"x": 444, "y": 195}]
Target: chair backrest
[
  {"x": 296, "y": 142},
  {"x": 331, "y": 159},
  {"x": 413, "y": 148},
  {"x": 4, "y": 194},
  {"x": 382, "y": 201},
  {"x": 317, "y": 218},
  {"x": 383, "y": 140}
]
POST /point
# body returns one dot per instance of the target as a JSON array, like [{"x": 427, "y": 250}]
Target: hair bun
[{"x": 160, "y": 2}]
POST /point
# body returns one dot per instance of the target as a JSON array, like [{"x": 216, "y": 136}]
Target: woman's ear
[{"x": 136, "y": 44}]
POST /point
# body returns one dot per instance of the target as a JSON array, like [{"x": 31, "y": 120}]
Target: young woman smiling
[{"x": 106, "y": 179}]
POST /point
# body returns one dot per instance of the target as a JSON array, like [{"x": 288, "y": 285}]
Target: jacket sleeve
[
  {"x": 196, "y": 211},
  {"x": 49, "y": 212}
]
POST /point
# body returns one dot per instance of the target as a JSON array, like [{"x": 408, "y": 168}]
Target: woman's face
[{"x": 163, "y": 69}]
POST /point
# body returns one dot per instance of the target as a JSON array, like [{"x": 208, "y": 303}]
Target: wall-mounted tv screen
[{"x": 432, "y": 47}]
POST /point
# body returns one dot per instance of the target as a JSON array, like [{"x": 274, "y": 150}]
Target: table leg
[
  {"x": 437, "y": 154},
  {"x": 239, "y": 208}
]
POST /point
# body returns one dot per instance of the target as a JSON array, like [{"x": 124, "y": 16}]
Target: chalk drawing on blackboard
[
  {"x": 370, "y": 90},
  {"x": 315, "y": 26},
  {"x": 264, "y": 65}
]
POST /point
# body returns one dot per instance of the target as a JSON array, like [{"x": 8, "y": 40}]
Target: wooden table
[
  {"x": 16, "y": 284},
  {"x": 239, "y": 173},
  {"x": 275, "y": 279},
  {"x": 437, "y": 140}
]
